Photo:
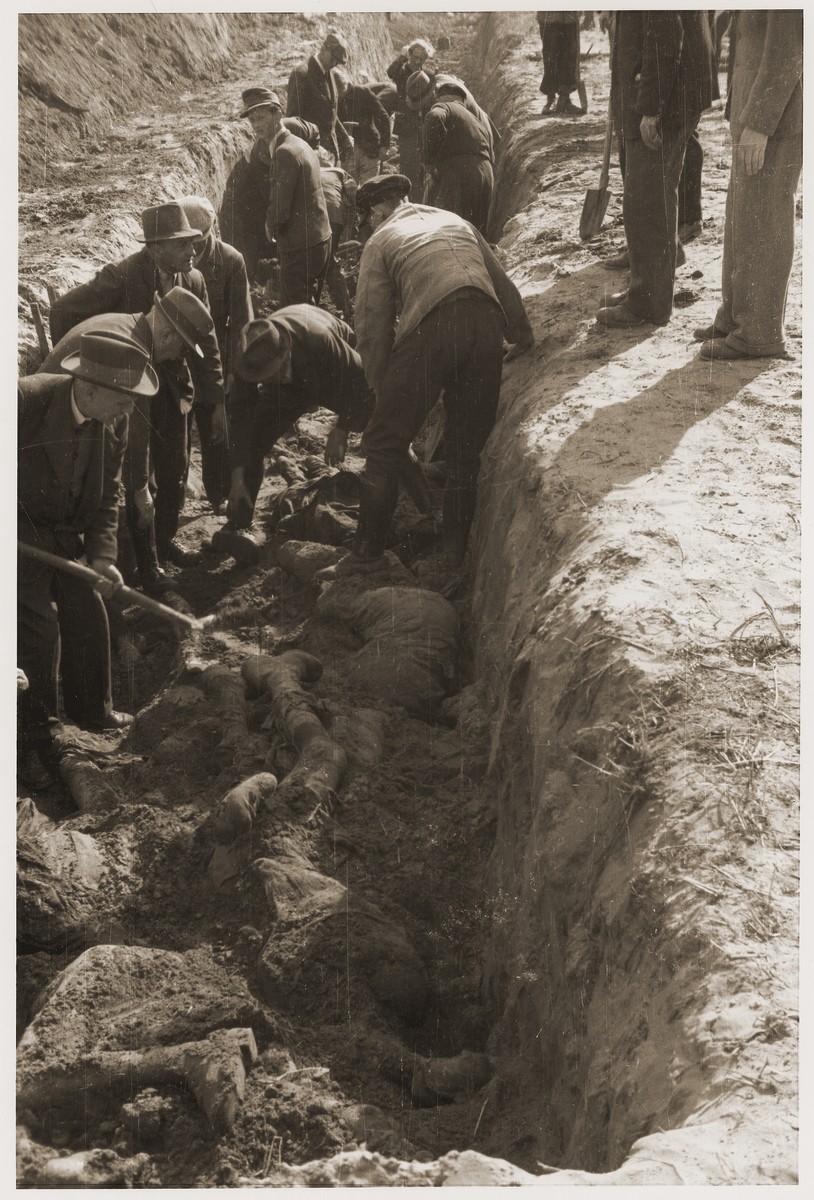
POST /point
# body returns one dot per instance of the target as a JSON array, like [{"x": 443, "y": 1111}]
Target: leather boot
[{"x": 153, "y": 579}]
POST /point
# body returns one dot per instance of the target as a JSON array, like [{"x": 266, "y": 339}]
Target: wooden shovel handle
[
  {"x": 606, "y": 153},
  {"x": 130, "y": 595}
]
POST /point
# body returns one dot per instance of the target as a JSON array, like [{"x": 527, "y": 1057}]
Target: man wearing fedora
[
  {"x": 303, "y": 358},
  {"x": 455, "y": 305},
  {"x": 458, "y": 153},
  {"x": 130, "y": 286},
  {"x": 175, "y": 321},
  {"x": 312, "y": 95},
  {"x": 242, "y": 215},
  {"x": 71, "y": 439},
  {"x": 296, "y": 217}
]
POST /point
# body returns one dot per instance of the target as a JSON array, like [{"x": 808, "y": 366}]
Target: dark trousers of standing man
[
  {"x": 650, "y": 211},
  {"x": 73, "y": 641},
  {"x": 169, "y": 453},
  {"x": 302, "y": 273},
  {"x": 458, "y": 347}
]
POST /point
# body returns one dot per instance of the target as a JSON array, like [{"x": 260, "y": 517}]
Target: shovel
[{"x": 596, "y": 200}]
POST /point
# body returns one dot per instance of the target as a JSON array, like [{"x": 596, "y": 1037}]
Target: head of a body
[
  {"x": 264, "y": 112},
  {"x": 109, "y": 371},
  {"x": 201, "y": 214},
  {"x": 417, "y": 52}
]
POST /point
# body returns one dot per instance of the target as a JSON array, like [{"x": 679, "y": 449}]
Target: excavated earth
[{"x": 544, "y": 930}]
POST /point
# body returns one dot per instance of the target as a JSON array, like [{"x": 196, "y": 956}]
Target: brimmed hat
[
  {"x": 166, "y": 223},
  {"x": 337, "y": 45},
  {"x": 112, "y": 361},
  {"x": 259, "y": 97},
  {"x": 375, "y": 189},
  {"x": 189, "y": 317},
  {"x": 261, "y": 351},
  {"x": 449, "y": 83},
  {"x": 420, "y": 91}
]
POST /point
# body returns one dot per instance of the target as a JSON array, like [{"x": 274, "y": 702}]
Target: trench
[{"x": 517, "y": 838}]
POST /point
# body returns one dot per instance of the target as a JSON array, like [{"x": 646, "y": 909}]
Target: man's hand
[
  {"x": 651, "y": 133},
  {"x": 336, "y": 446},
  {"x": 751, "y": 151},
  {"x": 143, "y": 500},
  {"x": 518, "y": 348},
  {"x": 218, "y": 428},
  {"x": 111, "y": 581}
]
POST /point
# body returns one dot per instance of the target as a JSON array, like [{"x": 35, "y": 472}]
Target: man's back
[{"x": 297, "y": 215}]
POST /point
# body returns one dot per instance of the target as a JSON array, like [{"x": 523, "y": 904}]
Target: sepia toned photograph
[{"x": 408, "y": 579}]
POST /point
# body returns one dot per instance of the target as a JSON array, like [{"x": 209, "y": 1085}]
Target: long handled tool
[
  {"x": 596, "y": 200},
  {"x": 129, "y": 595}
]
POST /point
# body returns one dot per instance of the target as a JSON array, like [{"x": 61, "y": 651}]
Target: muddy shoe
[
  {"x": 688, "y": 233},
  {"x": 243, "y": 546},
  {"x": 181, "y": 556},
  {"x": 619, "y": 262}
]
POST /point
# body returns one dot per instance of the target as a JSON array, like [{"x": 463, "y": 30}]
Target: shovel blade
[{"x": 593, "y": 212}]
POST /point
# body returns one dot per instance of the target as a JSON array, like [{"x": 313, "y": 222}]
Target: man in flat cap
[
  {"x": 176, "y": 321},
  {"x": 242, "y": 215},
  {"x": 312, "y": 94},
  {"x": 71, "y": 439},
  {"x": 303, "y": 358},
  {"x": 456, "y": 304},
  {"x": 130, "y": 286},
  {"x": 296, "y": 217}
]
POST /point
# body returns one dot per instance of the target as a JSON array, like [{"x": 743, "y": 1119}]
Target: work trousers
[
  {"x": 214, "y": 457},
  {"x": 458, "y": 347},
  {"x": 61, "y": 629},
  {"x": 302, "y": 272},
  {"x": 560, "y": 58},
  {"x": 465, "y": 185},
  {"x": 169, "y": 454},
  {"x": 689, "y": 185},
  {"x": 335, "y": 280},
  {"x": 759, "y": 249},
  {"x": 650, "y": 211}
]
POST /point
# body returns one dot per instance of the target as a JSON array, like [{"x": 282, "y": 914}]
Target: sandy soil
[{"x": 630, "y": 645}]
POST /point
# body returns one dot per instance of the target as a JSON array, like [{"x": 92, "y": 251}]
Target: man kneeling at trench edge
[
  {"x": 303, "y": 358},
  {"x": 456, "y": 301}
]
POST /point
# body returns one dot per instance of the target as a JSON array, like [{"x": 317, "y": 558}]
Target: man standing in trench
[
  {"x": 313, "y": 95},
  {"x": 456, "y": 303},
  {"x": 71, "y": 438},
  {"x": 130, "y": 286}
]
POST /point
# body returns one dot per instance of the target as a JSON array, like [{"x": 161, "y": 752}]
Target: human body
[
  {"x": 457, "y": 150},
  {"x": 559, "y": 33},
  {"x": 313, "y": 95}
]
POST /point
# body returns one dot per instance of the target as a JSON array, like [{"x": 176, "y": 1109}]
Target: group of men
[
  {"x": 663, "y": 76},
  {"x": 168, "y": 335}
]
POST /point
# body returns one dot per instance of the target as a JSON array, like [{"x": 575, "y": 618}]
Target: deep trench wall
[
  {"x": 593, "y": 962},
  {"x": 80, "y": 74}
]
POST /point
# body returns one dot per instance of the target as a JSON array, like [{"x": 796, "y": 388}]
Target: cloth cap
[
  {"x": 261, "y": 351},
  {"x": 199, "y": 212},
  {"x": 420, "y": 91},
  {"x": 449, "y": 83},
  {"x": 337, "y": 45},
  {"x": 113, "y": 361},
  {"x": 166, "y": 223},
  {"x": 380, "y": 186},
  {"x": 189, "y": 316},
  {"x": 259, "y": 97}
]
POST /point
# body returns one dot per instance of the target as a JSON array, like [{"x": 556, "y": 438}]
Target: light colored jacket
[
  {"x": 416, "y": 259},
  {"x": 767, "y": 78}
]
